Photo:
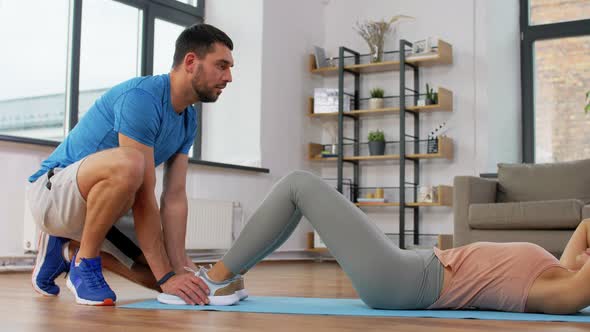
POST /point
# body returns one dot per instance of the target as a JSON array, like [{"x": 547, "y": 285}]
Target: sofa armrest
[
  {"x": 586, "y": 212},
  {"x": 468, "y": 190}
]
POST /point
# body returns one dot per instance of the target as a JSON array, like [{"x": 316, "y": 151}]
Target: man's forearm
[
  {"x": 174, "y": 213},
  {"x": 148, "y": 228}
]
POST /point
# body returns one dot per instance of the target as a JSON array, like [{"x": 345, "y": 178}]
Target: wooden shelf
[
  {"x": 445, "y": 198},
  {"x": 377, "y": 204},
  {"x": 445, "y": 151},
  {"x": 443, "y": 55},
  {"x": 318, "y": 250},
  {"x": 311, "y": 246},
  {"x": 445, "y": 104}
]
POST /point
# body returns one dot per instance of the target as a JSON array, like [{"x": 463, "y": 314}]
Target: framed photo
[
  {"x": 420, "y": 47},
  {"x": 320, "y": 57}
]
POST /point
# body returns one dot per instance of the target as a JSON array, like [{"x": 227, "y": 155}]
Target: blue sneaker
[
  {"x": 87, "y": 283},
  {"x": 50, "y": 263}
]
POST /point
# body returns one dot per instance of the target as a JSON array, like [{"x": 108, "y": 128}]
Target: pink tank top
[{"x": 492, "y": 276}]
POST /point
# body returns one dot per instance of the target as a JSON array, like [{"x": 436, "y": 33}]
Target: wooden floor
[{"x": 21, "y": 309}]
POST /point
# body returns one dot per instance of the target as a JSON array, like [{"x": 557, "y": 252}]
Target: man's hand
[
  {"x": 189, "y": 263},
  {"x": 188, "y": 287}
]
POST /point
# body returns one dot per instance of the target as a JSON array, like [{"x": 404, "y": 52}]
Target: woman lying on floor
[{"x": 518, "y": 277}]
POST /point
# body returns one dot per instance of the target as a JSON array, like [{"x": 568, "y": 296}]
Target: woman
[{"x": 519, "y": 277}]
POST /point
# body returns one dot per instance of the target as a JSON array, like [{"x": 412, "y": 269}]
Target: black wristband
[{"x": 165, "y": 278}]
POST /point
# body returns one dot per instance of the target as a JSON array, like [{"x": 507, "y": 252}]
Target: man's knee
[{"x": 128, "y": 168}]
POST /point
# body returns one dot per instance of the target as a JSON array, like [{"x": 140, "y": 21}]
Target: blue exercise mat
[{"x": 353, "y": 307}]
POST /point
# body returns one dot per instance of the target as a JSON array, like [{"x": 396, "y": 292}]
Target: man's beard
[{"x": 205, "y": 94}]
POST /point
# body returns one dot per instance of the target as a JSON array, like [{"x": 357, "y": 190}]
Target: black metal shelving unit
[{"x": 403, "y": 160}]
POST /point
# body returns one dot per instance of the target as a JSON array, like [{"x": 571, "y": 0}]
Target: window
[
  {"x": 554, "y": 11},
  {"x": 555, "y": 68},
  {"x": 561, "y": 126},
  {"x": 66, "y": 53},
  {"x": 33, "y": 67},
  {"x": 110, "y": 53},
  {"x": 61, "y": 55},
  {"x": 193, "y": 3},
  {"x": 165, "y": 34}
]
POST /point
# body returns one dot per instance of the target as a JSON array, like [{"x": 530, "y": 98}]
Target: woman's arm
[{"x": 576, "y": 246}]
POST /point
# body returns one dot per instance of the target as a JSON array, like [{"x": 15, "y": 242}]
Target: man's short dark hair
[{"x": 199, "y": 38}]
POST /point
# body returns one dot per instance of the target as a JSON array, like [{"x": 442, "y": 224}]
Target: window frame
[
  {"x": 168, "y": 10},
  {"x": 529, "y": 34}
]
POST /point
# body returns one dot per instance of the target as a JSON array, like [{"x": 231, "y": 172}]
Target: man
[{"x": 106, "y": 166}]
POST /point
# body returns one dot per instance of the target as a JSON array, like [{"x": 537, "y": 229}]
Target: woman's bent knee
[{"x": 301, "y": 176}]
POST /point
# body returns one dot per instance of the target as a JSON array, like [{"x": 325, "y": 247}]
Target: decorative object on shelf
[
  {"x": 426, "y": 194},
  {"x": 376, "y": 100},
  {"x": 426, "y": 46},
  {"x": 376, "y": 143},
  {"x": 587, "y": 107},
  {"x": 370, "y": 200},
  {"x": 432, "y": 145},
  {"x": 330, "y": 153},
  {"x": 379, "y": 193},
  {"x": 330, "y": 150},
  {"x": 317, "y": 241},
  {"x": 320, "y": 57},
  {"x": 431, "y": 96},
  {"x": 325, "y": 100},
  {"x": 419, "y": 47},
  {"x": 374, "y": 33}
]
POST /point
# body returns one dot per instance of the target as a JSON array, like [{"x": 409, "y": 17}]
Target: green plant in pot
[
  {"x": 431, "y": 96},
  {"x": 376, "y": 100},
  {"x": 587, "y": 107},
  {"x": 376, "y": 143}
]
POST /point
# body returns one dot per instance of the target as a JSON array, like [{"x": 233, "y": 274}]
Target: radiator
[
  {"x": 30, "y": 230},
  {"x": 211, "y": 224}
]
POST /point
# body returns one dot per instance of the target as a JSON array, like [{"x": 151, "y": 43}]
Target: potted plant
[
  {"x": 587, "y": 107},
  {"x": 431, "y": 96},
  {"x": 376, "y": 100},
  {"x": 376, "y": 143}
]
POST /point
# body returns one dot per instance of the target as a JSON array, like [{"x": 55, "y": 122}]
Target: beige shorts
[{"x": 61, "y": 210}]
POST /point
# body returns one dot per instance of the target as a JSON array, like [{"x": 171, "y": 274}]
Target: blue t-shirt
[{"x": 139, "y": 108}]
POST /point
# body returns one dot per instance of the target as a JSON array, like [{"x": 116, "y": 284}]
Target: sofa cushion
[
  {"x": 558, "y": 214},
  {"x": 538, "y": 182}
]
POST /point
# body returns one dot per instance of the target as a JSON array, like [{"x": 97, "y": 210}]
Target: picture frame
[
  {"x": 420, "y": 47},
  {"x": 320, "y": 57}
]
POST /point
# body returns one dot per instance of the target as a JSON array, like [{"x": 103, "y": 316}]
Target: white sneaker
[
  {"x": 221, "y": 293},
  {"x": 238, "y": 279},
  {"x": 241, "y": 292}
]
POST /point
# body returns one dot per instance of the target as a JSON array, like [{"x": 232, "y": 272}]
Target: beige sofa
[{"x": 540, "y": 203}]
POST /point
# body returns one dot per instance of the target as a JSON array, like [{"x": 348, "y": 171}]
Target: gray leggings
[{"x": 384, "y": 276}]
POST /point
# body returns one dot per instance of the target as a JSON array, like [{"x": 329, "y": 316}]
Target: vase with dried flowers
[{"x": 374, "y": 33}]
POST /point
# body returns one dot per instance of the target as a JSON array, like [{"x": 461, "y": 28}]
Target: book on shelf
[
  {"x": 370, "y": 200},
  {"x": 325, "y": 100}
]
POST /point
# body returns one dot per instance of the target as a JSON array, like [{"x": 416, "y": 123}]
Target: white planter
[{"x": 375, "y": 103}]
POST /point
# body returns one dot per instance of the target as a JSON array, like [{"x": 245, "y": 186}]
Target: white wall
[
  {"x": 291, "y": 28},
  {"x": 231, "y": 126},
  {"x": 497, "y": 84}
]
